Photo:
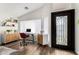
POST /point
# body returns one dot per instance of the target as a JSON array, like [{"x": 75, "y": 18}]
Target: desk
[{"x": 29, "y": 39}]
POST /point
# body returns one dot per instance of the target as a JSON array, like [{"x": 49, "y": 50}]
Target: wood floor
[{"x": 35, "y": 49}]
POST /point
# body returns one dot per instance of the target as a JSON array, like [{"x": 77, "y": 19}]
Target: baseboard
[
  {"x": 9, "y": 42},
  {"x": 76, "y": 52}
]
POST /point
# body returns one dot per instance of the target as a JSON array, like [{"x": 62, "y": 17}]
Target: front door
[{"x": 62, "y": 29}]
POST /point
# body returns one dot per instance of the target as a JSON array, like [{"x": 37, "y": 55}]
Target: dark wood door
[{"x": 67, "y": 18}]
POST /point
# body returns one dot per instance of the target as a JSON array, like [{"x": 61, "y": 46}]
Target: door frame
[{"x": 70, "y": 30}]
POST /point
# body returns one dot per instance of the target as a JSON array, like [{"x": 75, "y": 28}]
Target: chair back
[{"x": 23, "y": 35}]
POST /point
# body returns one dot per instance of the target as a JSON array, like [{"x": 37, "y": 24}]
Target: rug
[{"x": 6, "y": 51}]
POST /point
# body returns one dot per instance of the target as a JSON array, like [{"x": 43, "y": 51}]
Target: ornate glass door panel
[{"x": 61, "y": 30}]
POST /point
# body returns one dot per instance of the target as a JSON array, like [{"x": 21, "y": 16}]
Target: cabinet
[
  {"x": 11, "y": 37},
  {"x": 40, "y": 38}
]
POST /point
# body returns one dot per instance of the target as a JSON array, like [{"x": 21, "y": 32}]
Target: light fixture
[{"x": 26, "y": 8}]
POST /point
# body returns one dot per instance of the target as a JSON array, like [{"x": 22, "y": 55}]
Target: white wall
[
  {"x": 34, "y": 25},
  {"x": 27, "y": 25},
  {"x": 76, "y": 7},
  {"x": 61, "y": 6},
  {"x": 45, "y": 25}
]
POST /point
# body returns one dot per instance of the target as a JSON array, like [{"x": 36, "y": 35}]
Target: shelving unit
[{"x": 9, "y": 28}]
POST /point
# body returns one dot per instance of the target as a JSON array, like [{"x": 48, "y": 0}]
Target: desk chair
[{"x": 24, "y": 38}]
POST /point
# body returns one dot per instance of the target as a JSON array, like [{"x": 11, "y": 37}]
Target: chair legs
[{"x": 23, "y": 43}]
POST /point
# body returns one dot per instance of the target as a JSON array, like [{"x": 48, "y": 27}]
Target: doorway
[{"x": 63, "y": 29}]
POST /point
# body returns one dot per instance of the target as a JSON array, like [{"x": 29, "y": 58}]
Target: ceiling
[{"x": 17, "y": 9}]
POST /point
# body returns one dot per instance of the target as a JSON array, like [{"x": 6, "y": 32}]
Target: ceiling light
[{"x": 26, "y": 8}]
